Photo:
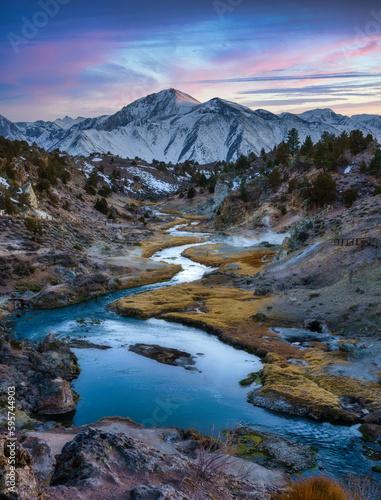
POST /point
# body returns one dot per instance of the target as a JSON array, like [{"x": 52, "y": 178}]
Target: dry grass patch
[
  {"x": 148, "y": 277},
  {"x": 173, "y": 223},
  {"x": 290, "y": 383},
  {"x": 248, "y": 261},
  {"x": 367, "y": 393},
  {"x": 315, "y": 488},
  {"x": 150, "y": 248}
]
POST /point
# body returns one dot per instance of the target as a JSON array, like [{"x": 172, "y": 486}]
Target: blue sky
[{"x": 85, "y": 58}]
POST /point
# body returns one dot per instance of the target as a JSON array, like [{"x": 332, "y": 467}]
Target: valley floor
[{"x": 311, "y": 312}]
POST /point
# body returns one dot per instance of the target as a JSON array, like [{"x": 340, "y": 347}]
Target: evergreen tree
[
  {"x": 9, "y": 206},
  {"x": 321, "y": 156},
  {"x": 356, "y": 142},
  {"x": 191, "y": 192},
  {"x": 242, "y": 162},
  {"x": 293, "y": 141},
  {"x": 243, "y": 191},
  {"x": 275, "y": 178},
  {"x": 323, "y": 189},
  {"x": 102, "y": 206},
  {"x": 307, "y": 146},
  {"x": 350, "y": 195},
  {"x": 375, "y": 164},
  {"x": 282, "y": 153}
]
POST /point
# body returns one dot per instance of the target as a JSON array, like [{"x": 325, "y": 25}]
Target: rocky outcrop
[
  {"x": 274, "y": 450},
  {"x": 41, "y": 375},
  {"x": 371, "y": 432},
  {"x": 117, "y": 458},
  {"x": 165, "y": 355},
  {"x": 28, "y": 190},
  {"x": 156, "y": 492},
  {"x": 80, "y": 288},
  {"x": 94, "y": 455},
  {"x": 25, "y": 483}
]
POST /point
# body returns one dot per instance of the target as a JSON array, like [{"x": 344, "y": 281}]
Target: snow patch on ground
[
  {"x": 4, "y": 182},
  {"x": 152, "y": 182},
  {"x": 348, "y": 169}
]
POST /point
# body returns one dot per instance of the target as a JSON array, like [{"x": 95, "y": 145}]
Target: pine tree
[
  {"x": 243, "y": 191},
  {"x": 307, "y": 146},
  {"x": 375, "y": 164},
  {"x": 293, "y": 141}
]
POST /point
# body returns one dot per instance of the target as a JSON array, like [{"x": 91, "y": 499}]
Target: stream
[{"x": 118, "y": 382}]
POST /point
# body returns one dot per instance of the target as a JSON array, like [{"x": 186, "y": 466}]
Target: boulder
[
  {"x": 156, "y": 493},
  {"x": 28, "y": 189},
  {"x": 95, "y": 455}
]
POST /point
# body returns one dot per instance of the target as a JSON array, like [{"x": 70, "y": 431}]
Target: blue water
[{"x": 120, "y": 382}]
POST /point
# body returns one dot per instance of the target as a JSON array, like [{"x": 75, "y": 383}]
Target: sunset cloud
[{"x": 95, "y": 59}]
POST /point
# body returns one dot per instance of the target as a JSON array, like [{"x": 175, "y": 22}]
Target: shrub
[
  {"x": 89, "y": 190},
  {"x": 377, "y": 191},
  {"x": 292, "y": 185},
  {"x": 215, "y": 459},
  {"x": 275, "y": 178},
  {"x": 350, "y": 196},
  {"x": 191, "y": 192},
  {"x": 363, "y": 167},
  {"x": 314, "y": 488},
  {"x": 362, "y": 487},
  {"x": 102, "y": 206},
  {"x": 33, "y": 226},
  {"x": 105, "y": 191}
]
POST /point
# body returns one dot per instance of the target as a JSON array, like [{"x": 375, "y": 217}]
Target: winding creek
[{"x": 119, "y": 382}]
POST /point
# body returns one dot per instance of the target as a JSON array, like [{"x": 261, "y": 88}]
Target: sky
[{"x": 89, "y": 58}]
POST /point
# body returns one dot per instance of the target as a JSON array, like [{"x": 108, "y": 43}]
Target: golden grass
[
  {"x": 248, "y": 261},
  {"x": 289, "y": 383},
  {"x": 221, "y": 310},
  {"x": 368, "y": 392},
  {"x": 173, "y": 223},
  {"x": 148, "y": 277},
  {"x": 151, "y": 247},
  {"x": 315, "y": 488}
]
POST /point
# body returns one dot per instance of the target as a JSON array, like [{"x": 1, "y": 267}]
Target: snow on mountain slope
[
  {"x": 10, "y": 130},
  {"x": 174, "y": 127},
  {"x": 67, "y": 122},
  {"x": 369, "y": 124},
  {"x": 158, "y": 106}
]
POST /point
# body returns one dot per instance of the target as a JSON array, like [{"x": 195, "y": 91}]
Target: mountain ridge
[{"x": 172, "y": 126}]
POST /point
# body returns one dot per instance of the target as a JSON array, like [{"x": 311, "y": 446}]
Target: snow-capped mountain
[
  {"x": 173, "y": 126},
  {"x": 10, "y": 130}
]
